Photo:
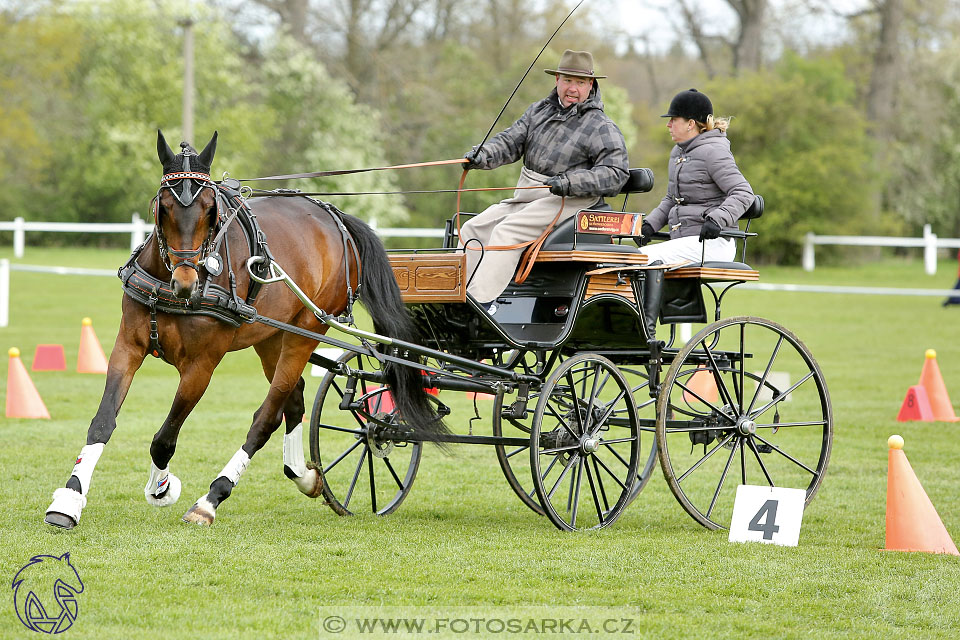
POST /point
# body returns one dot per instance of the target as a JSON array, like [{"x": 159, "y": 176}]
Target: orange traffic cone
[
  {"x": 49, "y": 357},
  {"x": 912, "y": 522},
  {"x": 932, "y": 381},
  {"x": 703, "y": 384},
  {"x": 90, "y": 358},
  {"x": 23, "y": 401}
]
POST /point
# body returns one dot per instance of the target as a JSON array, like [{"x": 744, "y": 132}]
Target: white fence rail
[
  {"x": 139, "y": 228},
  {"x": 929, "y": 242}
]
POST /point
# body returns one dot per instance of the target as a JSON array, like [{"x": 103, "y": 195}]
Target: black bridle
[{"x": 179, "y": 184}]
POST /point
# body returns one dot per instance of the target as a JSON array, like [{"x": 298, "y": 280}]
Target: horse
[{"x": 329, "y": 254}]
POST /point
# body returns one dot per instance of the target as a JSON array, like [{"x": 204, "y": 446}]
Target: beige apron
[{"x": 515, "y": 220}]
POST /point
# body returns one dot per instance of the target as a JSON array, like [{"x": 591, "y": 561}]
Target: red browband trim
[{"x": 183, "y": 175}]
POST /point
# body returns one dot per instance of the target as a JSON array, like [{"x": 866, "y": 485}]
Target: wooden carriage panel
[
  {"x": 576, "y": 255},
  {"x": 607, "y": 283},
  {"x": 433, "y": 277},
  {"x": 714, "y": 274}
]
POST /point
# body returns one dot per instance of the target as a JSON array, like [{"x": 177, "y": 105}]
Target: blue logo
[{"x": 45, "y": 594}]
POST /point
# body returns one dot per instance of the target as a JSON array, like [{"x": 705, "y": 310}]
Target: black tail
[{"x": 381, "y": 298}]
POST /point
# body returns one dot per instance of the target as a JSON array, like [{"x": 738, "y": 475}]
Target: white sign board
[{"x": 767, "y": 514}]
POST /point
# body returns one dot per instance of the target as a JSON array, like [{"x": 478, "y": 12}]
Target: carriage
[
  {"x": 588, "y": 392},
  {"x": 591, "y": 383}
]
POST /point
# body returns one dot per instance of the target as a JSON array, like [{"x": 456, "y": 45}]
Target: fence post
[
  {"x": 809, "y": 262},
  {"x": 139, "y": 231},
  {"x": 18, "y": 236},
  {"x": 929, "y": 250},
  {"x": 4, "y": 292}
]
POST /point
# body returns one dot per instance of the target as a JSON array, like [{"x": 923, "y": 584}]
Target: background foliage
[{"x": 845, "y": 132}]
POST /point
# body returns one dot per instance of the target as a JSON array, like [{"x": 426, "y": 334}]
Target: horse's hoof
[
  {"x": 169, "y": 497},
  {"x": 202, "y": 513},
  {"x": 64, "y": 511},
  {"x": 310, "y": 483},
  {"x": 59, "y": 520}
]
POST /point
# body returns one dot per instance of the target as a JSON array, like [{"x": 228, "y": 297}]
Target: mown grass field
[{"x": 274, "y": 560}]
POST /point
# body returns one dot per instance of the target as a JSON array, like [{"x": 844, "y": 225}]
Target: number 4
[{"x": 768, "y": 510}]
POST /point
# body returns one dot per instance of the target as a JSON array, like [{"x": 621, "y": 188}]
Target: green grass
[{"x": 274, "y": 558}]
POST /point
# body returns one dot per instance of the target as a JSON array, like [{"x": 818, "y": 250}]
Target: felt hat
[
  {"x": 690, "y": 104},
  {"x": 575, "y": 63}
]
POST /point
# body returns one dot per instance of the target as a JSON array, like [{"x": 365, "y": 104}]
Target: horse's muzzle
[{"x": 185, "y": 280}]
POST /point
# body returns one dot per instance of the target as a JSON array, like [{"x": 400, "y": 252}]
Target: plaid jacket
[{"x": 580, "y": 142}]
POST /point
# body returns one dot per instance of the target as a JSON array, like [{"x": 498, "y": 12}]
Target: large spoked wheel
[
  {"x": 513, "y": 421},
  {"x": 585, "y": 444},
  {"x": 647, "y": 418},
  {"x": 744, "y": 402},
  {"x": 361, "y": 469}
]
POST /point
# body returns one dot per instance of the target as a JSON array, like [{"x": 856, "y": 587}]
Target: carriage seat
[{"x": 565, "y": 237}]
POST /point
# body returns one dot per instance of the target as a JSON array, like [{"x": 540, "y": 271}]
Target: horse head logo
[{"x": 45, "y": 593}]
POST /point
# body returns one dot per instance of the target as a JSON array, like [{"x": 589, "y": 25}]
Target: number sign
[{"x": 767, "y": 514}]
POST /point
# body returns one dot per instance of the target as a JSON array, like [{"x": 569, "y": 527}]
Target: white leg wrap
[
  {"x": 293, "y": 451},
  {"x": 86, "y": 461},
  {"x": 68, "y": 502},
  {"x": 161, "y": 481},
  {"x": 235, "y": 468}
]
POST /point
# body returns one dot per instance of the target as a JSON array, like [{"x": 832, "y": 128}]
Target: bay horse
[{"x": 327, "y": 253}]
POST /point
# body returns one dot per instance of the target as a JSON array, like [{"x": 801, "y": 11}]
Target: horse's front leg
[
  {"x": 163, "y": 488},
  {"x": 125, "y": 359},
  {"x": 285, "y": 381}
]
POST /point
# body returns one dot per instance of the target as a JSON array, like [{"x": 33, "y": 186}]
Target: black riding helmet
[{"x": 690, "y": 104}]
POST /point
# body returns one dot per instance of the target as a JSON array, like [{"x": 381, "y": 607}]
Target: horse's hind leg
[
  {"x": 286, "y": 381},
  {"x": 69, "y": 501}
]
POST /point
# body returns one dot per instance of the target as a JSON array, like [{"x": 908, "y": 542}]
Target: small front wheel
[
  {"x": 585, "y": 444},
  {"x": 362, "y": 467}
]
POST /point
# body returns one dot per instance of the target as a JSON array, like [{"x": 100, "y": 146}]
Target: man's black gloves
[
  {"x": 559, "y": 185},
  {"x": 709, "y": 230},
  {"x": 646, "y": 232},
  {"x": 474, "y": 159}
]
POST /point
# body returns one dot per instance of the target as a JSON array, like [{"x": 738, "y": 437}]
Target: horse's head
[{"x": 185, "y": 212}]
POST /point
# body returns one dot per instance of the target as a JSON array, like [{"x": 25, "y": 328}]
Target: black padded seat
[{"x": 739, "y": 266}]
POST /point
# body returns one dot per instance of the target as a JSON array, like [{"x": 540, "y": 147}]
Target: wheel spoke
[
  {"x": 786, "y": 455},
  {"x": 342, "y": 456},
  {"x": 763, "y": 467},
  {"x": 603, "y": 493},
  {"x": 356, "y": 474},
  {"x": 566, "y": 468},
  {"x": 396, "y": 478},
  {"x": 373, "y": 482},
  {"x": 783, "y": 396},
  {"x": 516, "y": 451},
  {"x": 723, "y": 476},
  {"x": 708, "y": 455},
  {"x": 593, "y": 493},
  {"x": 715, "y": 369},
  {"x": 766, "y": 372},
  {"x": 576, "y": 494},
  {"x": 611, "y": 473}
]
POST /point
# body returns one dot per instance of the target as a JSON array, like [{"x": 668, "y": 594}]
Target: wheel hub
[
  {"x": 589, "y": 445},
  {"x": 746, "y": 427},
  {"x": 380, "y": 447}
]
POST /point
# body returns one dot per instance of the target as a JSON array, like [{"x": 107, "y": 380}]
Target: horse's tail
[{"x": 382, "y": 300}]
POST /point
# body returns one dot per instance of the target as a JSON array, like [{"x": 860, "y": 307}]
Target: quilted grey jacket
[
  {"x": 703, "y": 180},
  {"x": 580, "y": 142}
]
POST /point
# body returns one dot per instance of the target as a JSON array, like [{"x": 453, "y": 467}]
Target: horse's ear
[
  {"x": 164, "y": 152},
  {"x": 206, "y": 156}
]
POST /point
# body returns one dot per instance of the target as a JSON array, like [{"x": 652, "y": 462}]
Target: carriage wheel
[
  {"x": 515, "y": 460},
  {"x": 361, "y": 470},
  {"x": 744, "y": 402},
  {"x": 585, "y": 443},
  {"x": 647, "y": 414}
]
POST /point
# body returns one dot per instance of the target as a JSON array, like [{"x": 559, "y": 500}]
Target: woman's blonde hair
[{"x": 713, "y": 123}]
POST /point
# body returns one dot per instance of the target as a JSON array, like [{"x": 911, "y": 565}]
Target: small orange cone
[
  {"x": 932, "y": 381},
  {"x": 703, "y": 384},
  {"x": 49, "y": 357},
  {"x": 23, "y": 401},
  {"x": 91, "y": 358},
  {"x": 913, "y": 524},
  {"x": 916, "y": 406}
]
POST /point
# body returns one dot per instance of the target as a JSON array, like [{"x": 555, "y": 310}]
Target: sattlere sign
[{"x": 609, "y": 222}]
